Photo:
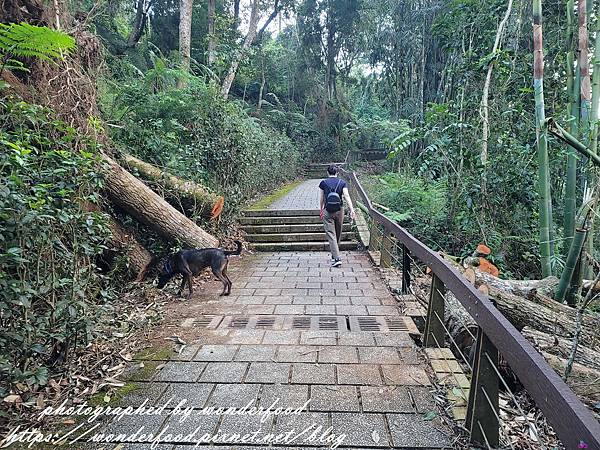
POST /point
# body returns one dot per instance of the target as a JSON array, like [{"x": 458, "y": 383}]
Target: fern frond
[{"x": 24, "y": 40}]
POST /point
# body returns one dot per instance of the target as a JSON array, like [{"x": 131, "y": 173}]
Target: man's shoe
[{"x": 336, "y": 263}]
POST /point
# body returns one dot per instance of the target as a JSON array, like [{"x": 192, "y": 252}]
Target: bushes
[
  {"x": 51, "y": 292},
  {"x": 416, "y": 204},
  {"x": 197, "y": 135}
]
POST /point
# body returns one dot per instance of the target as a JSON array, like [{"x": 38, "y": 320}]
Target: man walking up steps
[{"x": 333, "y": 193}]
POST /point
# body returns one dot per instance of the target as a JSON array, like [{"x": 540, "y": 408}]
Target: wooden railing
[{"x": 574, "y": 424}]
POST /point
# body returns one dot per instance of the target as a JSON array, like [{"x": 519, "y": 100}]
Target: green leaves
[
  {"x": 49, "y": 283},
  {"x": 24, "y": 40}
]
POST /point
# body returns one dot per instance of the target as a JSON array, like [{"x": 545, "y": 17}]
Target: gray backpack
[{"x": 333, "y": 201}]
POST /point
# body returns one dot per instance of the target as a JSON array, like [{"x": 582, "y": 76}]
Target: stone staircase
[{"x": 292, "y": 229}]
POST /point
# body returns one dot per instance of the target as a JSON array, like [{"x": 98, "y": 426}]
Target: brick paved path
[
  {"x": 370, "y": 385},
  {"x": 304, "y": 196}
]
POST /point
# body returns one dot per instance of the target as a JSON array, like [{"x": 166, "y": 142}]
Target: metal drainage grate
[
  {"x": 328, "y": 323},
  {"x": 202, "y": 322},
  {"x": 301, "y": 323},
  {"x": 398, "y": 324},
  {"x": 238, "y": 322},
  {"x": 265, "y": 322},
  {"x": 368, "y": 324}
]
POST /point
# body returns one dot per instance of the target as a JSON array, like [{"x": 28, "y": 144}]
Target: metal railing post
[
  {"x": 483, "y": 410},
  {"x": 375, "y": 236},
  {"x": 434, "y": 328},
  {"x": 405, "y": 270},
  {"x": 387, "y": 247}
]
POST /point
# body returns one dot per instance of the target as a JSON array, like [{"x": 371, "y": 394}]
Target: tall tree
[
  {"x": 139, "y": 24},
  {"x": 485, "y": 113},
  {"x": 212, "y": 39},
  {"x": 185, "y": 36},
  {"x": 545, "y": 204},
  {"x": 241, "y": 53},
  {"x": 573, "y": 115}
]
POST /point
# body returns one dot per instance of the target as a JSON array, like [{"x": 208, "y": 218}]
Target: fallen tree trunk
[
  {"x": 140, "y": 259},
  {"x": 146, "y": 206},
  {"x": 584, "y": 381},
  {"x": 197, "y": 198},
  {"x": 524, "y": 304},
  {"x": 545, "y": 286},
  {"x": 544, "y": 314},
  {"x": 561, "y": 347}
]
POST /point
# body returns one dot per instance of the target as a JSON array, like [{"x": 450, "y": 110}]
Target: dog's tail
[{"x": 237, "y": 251}]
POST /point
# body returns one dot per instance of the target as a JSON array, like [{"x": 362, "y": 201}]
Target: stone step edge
[{"x": 295, "y": 237}]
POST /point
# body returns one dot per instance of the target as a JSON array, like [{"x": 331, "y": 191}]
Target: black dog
[{"x": 190, "y": 263}]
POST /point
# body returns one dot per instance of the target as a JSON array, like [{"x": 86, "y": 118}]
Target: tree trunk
[
  {"x": 525, "y": 303},
  {"x": 146, "y": 206},
  {"x": 274, "y": 13},
  {"x": 573, "y": 114},
  {"x": 595, "y": 108},
  {"x": 140, "y": 259},
  {"x": 212, "y": 39},
  {"x": 570, "y": 264},
  {"x": 141, "y": 16},
  {"x": 198, "y": 199},
  {"x": 240, "y": 54},
  {"x": 524, "y": 288},
  {"x": 544, "y": 314},
  {"x": 561, "y": 347},
  {"x": 542, "y": 142},
  {"x": 185, "y": 36},
  {"x": 236, "y": 14},
  {"x": 594, "y": 116},
  {"x": 583, "y": 380},
  {"x": 584, "y": 65},
  {"x": 330, "y": 58},
  {"x": 486, "y": 86}
]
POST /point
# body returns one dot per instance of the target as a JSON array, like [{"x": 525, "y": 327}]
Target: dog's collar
[{"x": 168, "y": 268}]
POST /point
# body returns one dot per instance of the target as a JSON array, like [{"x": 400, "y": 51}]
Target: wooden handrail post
[
  {"x": 483, "y": 410},
  {"x": 405, "y": 270},
  {"x": 434, "y": 328},
  {"x": 387, "y": 249}
]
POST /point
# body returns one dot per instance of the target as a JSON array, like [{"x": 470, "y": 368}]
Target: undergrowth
[{"x": 52, "y": 292}]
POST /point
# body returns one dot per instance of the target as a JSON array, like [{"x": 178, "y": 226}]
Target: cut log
[
  {"x": 196, "y": 198},
  {"x": 524, "y": 288},
  {"x": 584, "y": 381},
  {"x": 546, "y": 315},
  {"x": 142, "y": 203},
  {"x": 561, "y": 347},
  {"x": 140, "y": 259}
]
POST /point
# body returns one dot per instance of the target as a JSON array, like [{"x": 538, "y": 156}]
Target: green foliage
[
  {"x": 24, "y": 40},
  {"x": 196, "y": 134},
  {"x": 416, "y": 204},
  {"x": 51, "y": 292}
]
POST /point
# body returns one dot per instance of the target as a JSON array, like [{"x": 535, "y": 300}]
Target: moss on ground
[{"x": 264, "y": 202}]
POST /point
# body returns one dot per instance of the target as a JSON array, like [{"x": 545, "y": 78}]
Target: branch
[
  {"x": 562, "y": 134},
  {"x": 276, "y": 10}
]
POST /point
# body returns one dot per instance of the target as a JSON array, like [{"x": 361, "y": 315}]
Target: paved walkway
[
  {"x": 304, "y": 196},
  {"x": 300, "y": 334}
]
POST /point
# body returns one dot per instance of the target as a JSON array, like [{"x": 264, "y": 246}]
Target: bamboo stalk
[
  {"x": 571, "y": 263},
  {"x": 565, "y": 136},
  {"x": 595, "y": 101},
  {"x": 571, "y": 181},
  {"x": 545, "y": 203}
]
